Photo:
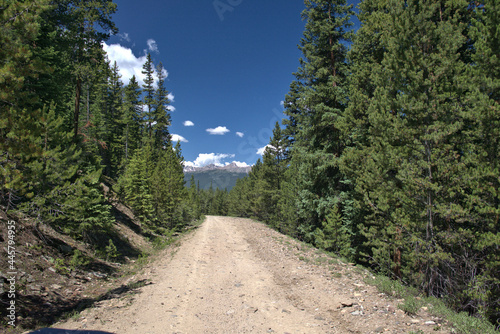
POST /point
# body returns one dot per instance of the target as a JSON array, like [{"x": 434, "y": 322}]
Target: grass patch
[
  {"x": 321, "y": 260},
  {"x": 461, "y": 323},
  {"x": 411, "y": 305},
  {"x": 337, "y": 275},
  {"x": 162, "y": 242},
  {"x": 390, "y": 287},
  {"x": 75, "y": 315}
]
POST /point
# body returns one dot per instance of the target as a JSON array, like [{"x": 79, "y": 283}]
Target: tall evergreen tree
[
  {"x": 414, "y": 136},
  {"x": 161, "y": 116},
  {"x": 20, "y": 124},
  {"x": 149, "y": 91},
  {"x": 114, "y": 122},
  {"x": 314, "y": 107},
  {"x": 132, "y": 114},
  {"x": 167, "y": 185},
  {"x": 272, "y": 177},
  {"x": 134, "y": 185},
  {"x": 84, "y": 25},
  {"x": 482, "y": 197}
]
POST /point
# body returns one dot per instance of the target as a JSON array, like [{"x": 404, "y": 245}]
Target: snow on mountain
[{"x": 234, "y": 167}]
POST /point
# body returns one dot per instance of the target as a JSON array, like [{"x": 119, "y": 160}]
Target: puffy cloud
[
  {"x": 188, "y": 123},
  {"x": 220, "y": 130},
  {"x": 239, "y": 164},
  {"x": 129, "y": 64},
  {"x": 240, "y": 134},
  {"x": 177, "y": 138},
  {"x": 152, "y": 46},
  {"x": 261, "y": 150},
  {"x": 204, "y": 159}
]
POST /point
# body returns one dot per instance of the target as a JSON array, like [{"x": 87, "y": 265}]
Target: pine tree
[
  {"x": 95, "y": 133},
  {"x": 167, "y": 185},
  {"x": 293, "y": 110},
  {"x": 314, "y": 106},
  {"x": 20, "y": 125},
  {"x": 194, "y": 199},
  {"x": 482, "y": 197},
  {"x": 131, "y": 118},
  {"x": 287, "y": 203},
  {"x": 271, "y": 175},
  {"x": 149, "y": 91},
  {"x": 410, "y": 142},
  {"x": 134, "y": 185},
  {"x": 77, "y": 23},
  {"x": 161, "y": 116},
  {"x": 114, "y": 122}
]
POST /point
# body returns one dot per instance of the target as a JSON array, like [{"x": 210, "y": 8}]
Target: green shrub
[
  {"x": 411, "y": 305},
  {"x": 78, "y": 260}
]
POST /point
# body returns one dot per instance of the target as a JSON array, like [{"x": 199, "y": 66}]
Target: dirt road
[{"x": 237, "y": 276}]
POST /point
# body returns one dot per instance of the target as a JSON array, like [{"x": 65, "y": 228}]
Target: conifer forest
[{"x": 389, "y": 155}]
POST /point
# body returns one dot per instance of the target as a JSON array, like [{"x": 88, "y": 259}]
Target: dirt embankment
[{"x": 238, "y": 276}]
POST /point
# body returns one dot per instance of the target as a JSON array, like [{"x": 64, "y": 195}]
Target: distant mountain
[
  {"x": 233, "y": 167},
  {"x": 222, "y": 177}
]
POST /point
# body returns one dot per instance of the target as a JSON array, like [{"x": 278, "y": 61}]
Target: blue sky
[{"x": 229, "y": 64}]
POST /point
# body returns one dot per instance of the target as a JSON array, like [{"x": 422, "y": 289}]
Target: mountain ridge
[
  {"x": 232, "y": 167},
  {"x": 221, "y": 177}
]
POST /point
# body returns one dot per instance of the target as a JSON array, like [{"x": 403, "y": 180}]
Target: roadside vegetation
[
  {"x": 408, "y": 299},
  {"x": 388, "y": 155}
]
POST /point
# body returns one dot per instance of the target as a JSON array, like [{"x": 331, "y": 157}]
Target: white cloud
[
  {"x": 240, "y": 134},
  {"x": 241, "y": 164},
  {"x": 261, "y": 150},
  {"x": 204, "y": 159},
  {"x": 171, "y": 108},
  {"x": 177, "y": 138},
  {"x": 188, "y": 123},
  {"x": 220, "y": 130},
  {"x": 152, "y": 46},
  {"x": 282, "y": 103},
  {"x": 129, "y": 64}
]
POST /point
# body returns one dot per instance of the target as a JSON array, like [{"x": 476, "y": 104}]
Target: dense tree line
[
  {"x": 207, "y": 202},
  {"x": 68, "y": 124},
  {"x": 389, "y": 155}
]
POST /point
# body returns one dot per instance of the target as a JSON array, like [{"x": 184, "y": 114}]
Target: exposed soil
[
  {"x": 238, "y": 276},
  {"x": 47, "y": 286}
]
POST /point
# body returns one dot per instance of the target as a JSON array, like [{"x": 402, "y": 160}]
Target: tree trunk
[
  {"x": 88, "y": 103},
  {"x": 77, "y": 107}
]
